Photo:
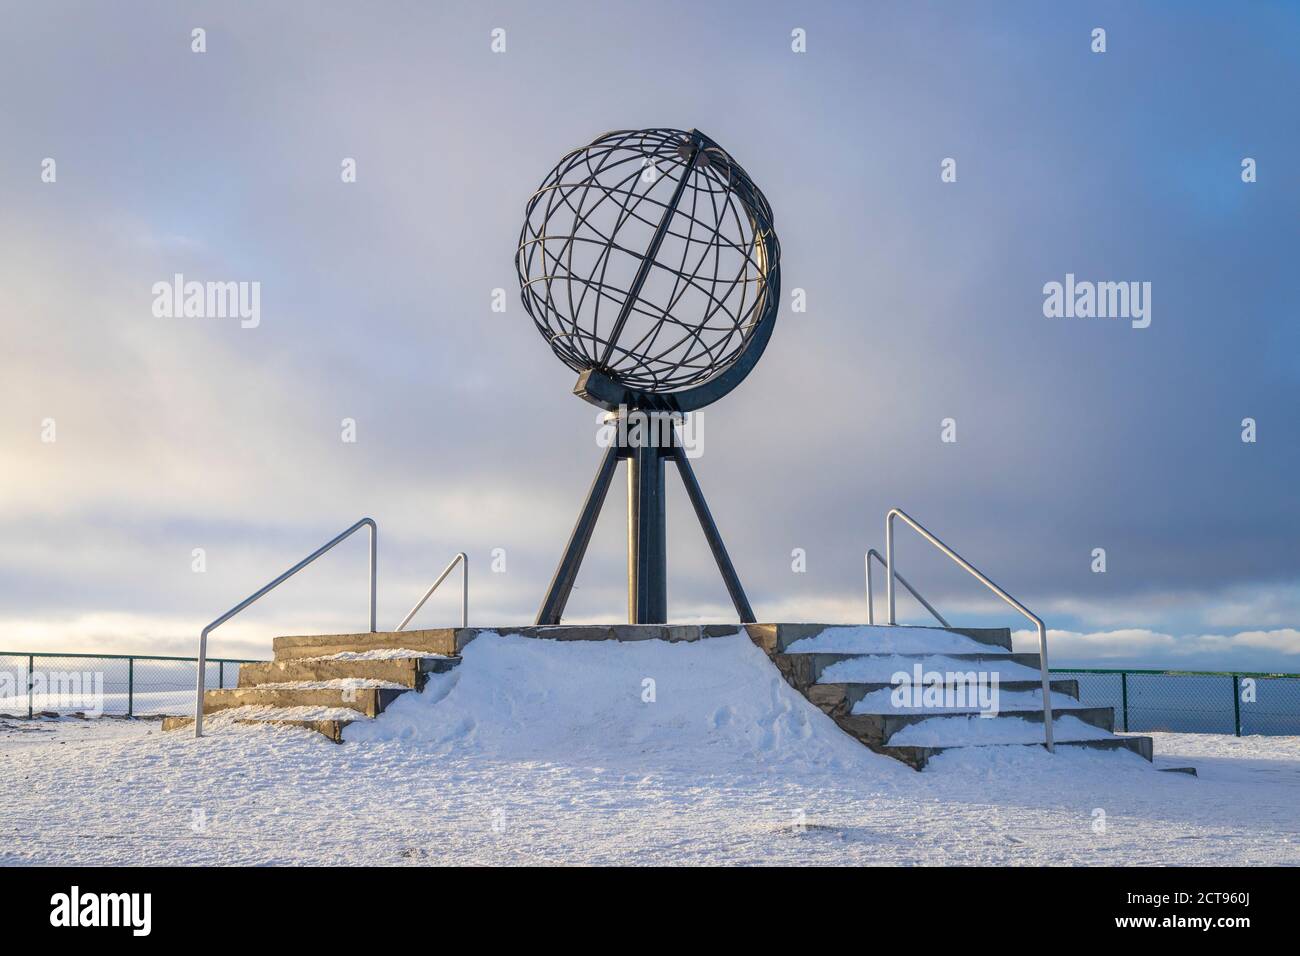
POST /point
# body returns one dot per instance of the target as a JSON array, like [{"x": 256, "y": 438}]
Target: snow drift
[{"x": 690, "y": 704}]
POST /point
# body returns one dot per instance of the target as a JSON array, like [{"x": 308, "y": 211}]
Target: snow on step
[
  {"x": 880, "y": 639},
  {"x": 260, "y": 714},
  {"x": 338, "y": 683},
  {"x": 973, "y": 731},
  {"x": 380, "y": 654},
  {"x": 882, "y": 702},
  {"x": 881, "y": 668}
]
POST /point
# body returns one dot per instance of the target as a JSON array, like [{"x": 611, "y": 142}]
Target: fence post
[
  {"x": 1236, "y": 704},
  {"x": 31, "y": 660},
  {"x": 221, "y": 675},
  {"x": 130, "y": 686},
  {"x": 1123, "y": 689}
]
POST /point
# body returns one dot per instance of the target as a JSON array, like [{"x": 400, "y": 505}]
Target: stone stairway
[
  {"x": 848, "y": 672},
  {"x": 325, "y": 682}
]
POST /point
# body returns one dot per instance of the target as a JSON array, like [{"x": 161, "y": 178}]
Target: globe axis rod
[{"x": 648, "y": 260}]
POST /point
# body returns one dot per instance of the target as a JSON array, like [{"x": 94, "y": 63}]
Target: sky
[{"x": 129, "y": 439}]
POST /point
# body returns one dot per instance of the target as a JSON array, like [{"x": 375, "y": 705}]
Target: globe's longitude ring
[{"x": 679, "y": 213}]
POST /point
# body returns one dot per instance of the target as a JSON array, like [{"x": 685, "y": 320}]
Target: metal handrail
[
  {"x": 463, "y": 560},
  {"x": 203, "y": 637},
  {"x": 984, "y": 579},
  {"x": 871, "y": 590}
]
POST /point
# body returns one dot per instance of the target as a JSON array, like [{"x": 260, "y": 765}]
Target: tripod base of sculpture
[{"x": 647, "y": 551}]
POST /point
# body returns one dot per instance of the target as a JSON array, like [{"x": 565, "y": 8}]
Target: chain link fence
[
  {"x": 105, "y": 684},
  {"x": 1195, "y": 702}
]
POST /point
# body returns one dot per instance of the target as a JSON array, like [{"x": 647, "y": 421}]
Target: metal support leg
[
  {"x": 647, "y": 531},
  {"x": 557, "y": 596},
  {"x": 711, "y": 533}
]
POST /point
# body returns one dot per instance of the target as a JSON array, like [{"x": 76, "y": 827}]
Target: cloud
[
  {"x": 924, "y": 303},
  {"x": 118, "y": 633},
  {"x": 1139, "y": 647}
]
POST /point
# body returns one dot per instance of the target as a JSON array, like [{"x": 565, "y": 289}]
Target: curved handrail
[
  {"x": 203, "y": 637},
  {"x": 871, "y": 590},
  {"x": 463, "y": 560},
  {"x": 982, "y": 578}
]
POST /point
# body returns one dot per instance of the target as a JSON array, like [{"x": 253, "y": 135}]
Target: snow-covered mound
[{"x": 706, "y": 704}]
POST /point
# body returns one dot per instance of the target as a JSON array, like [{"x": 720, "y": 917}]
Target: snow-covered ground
[
  {"x": 174, "y": 700},
  {"x": 570, "y": 752}
]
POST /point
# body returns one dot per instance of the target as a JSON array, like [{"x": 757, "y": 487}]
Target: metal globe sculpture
[
  {"x": 648, "y": 262},
  {"x": 648, "y": 257}
]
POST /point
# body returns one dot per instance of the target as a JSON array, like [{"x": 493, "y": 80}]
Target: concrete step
[
  {"x": 332, "y": 729},
  {"x": 408, "y": 671},
  {"x": 450, "y": 641},
  {"x": 624, "y": 633},
  {"x": 444, "y": 641},
  {"x": 777, "y": 638},
  {"x": 876, "y": 730},
  {"x": 1103, "y": 718},
  {"x": 918, "y": 756},
  {"x": 843, "y": 697},
  {"x": 803, "y": 670},
  {"x": 367, "y": 701}
]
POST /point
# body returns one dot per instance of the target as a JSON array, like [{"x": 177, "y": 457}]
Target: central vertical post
[
  {"x": 645, "y": 441},
  {"x": 647, "y": 535}
]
